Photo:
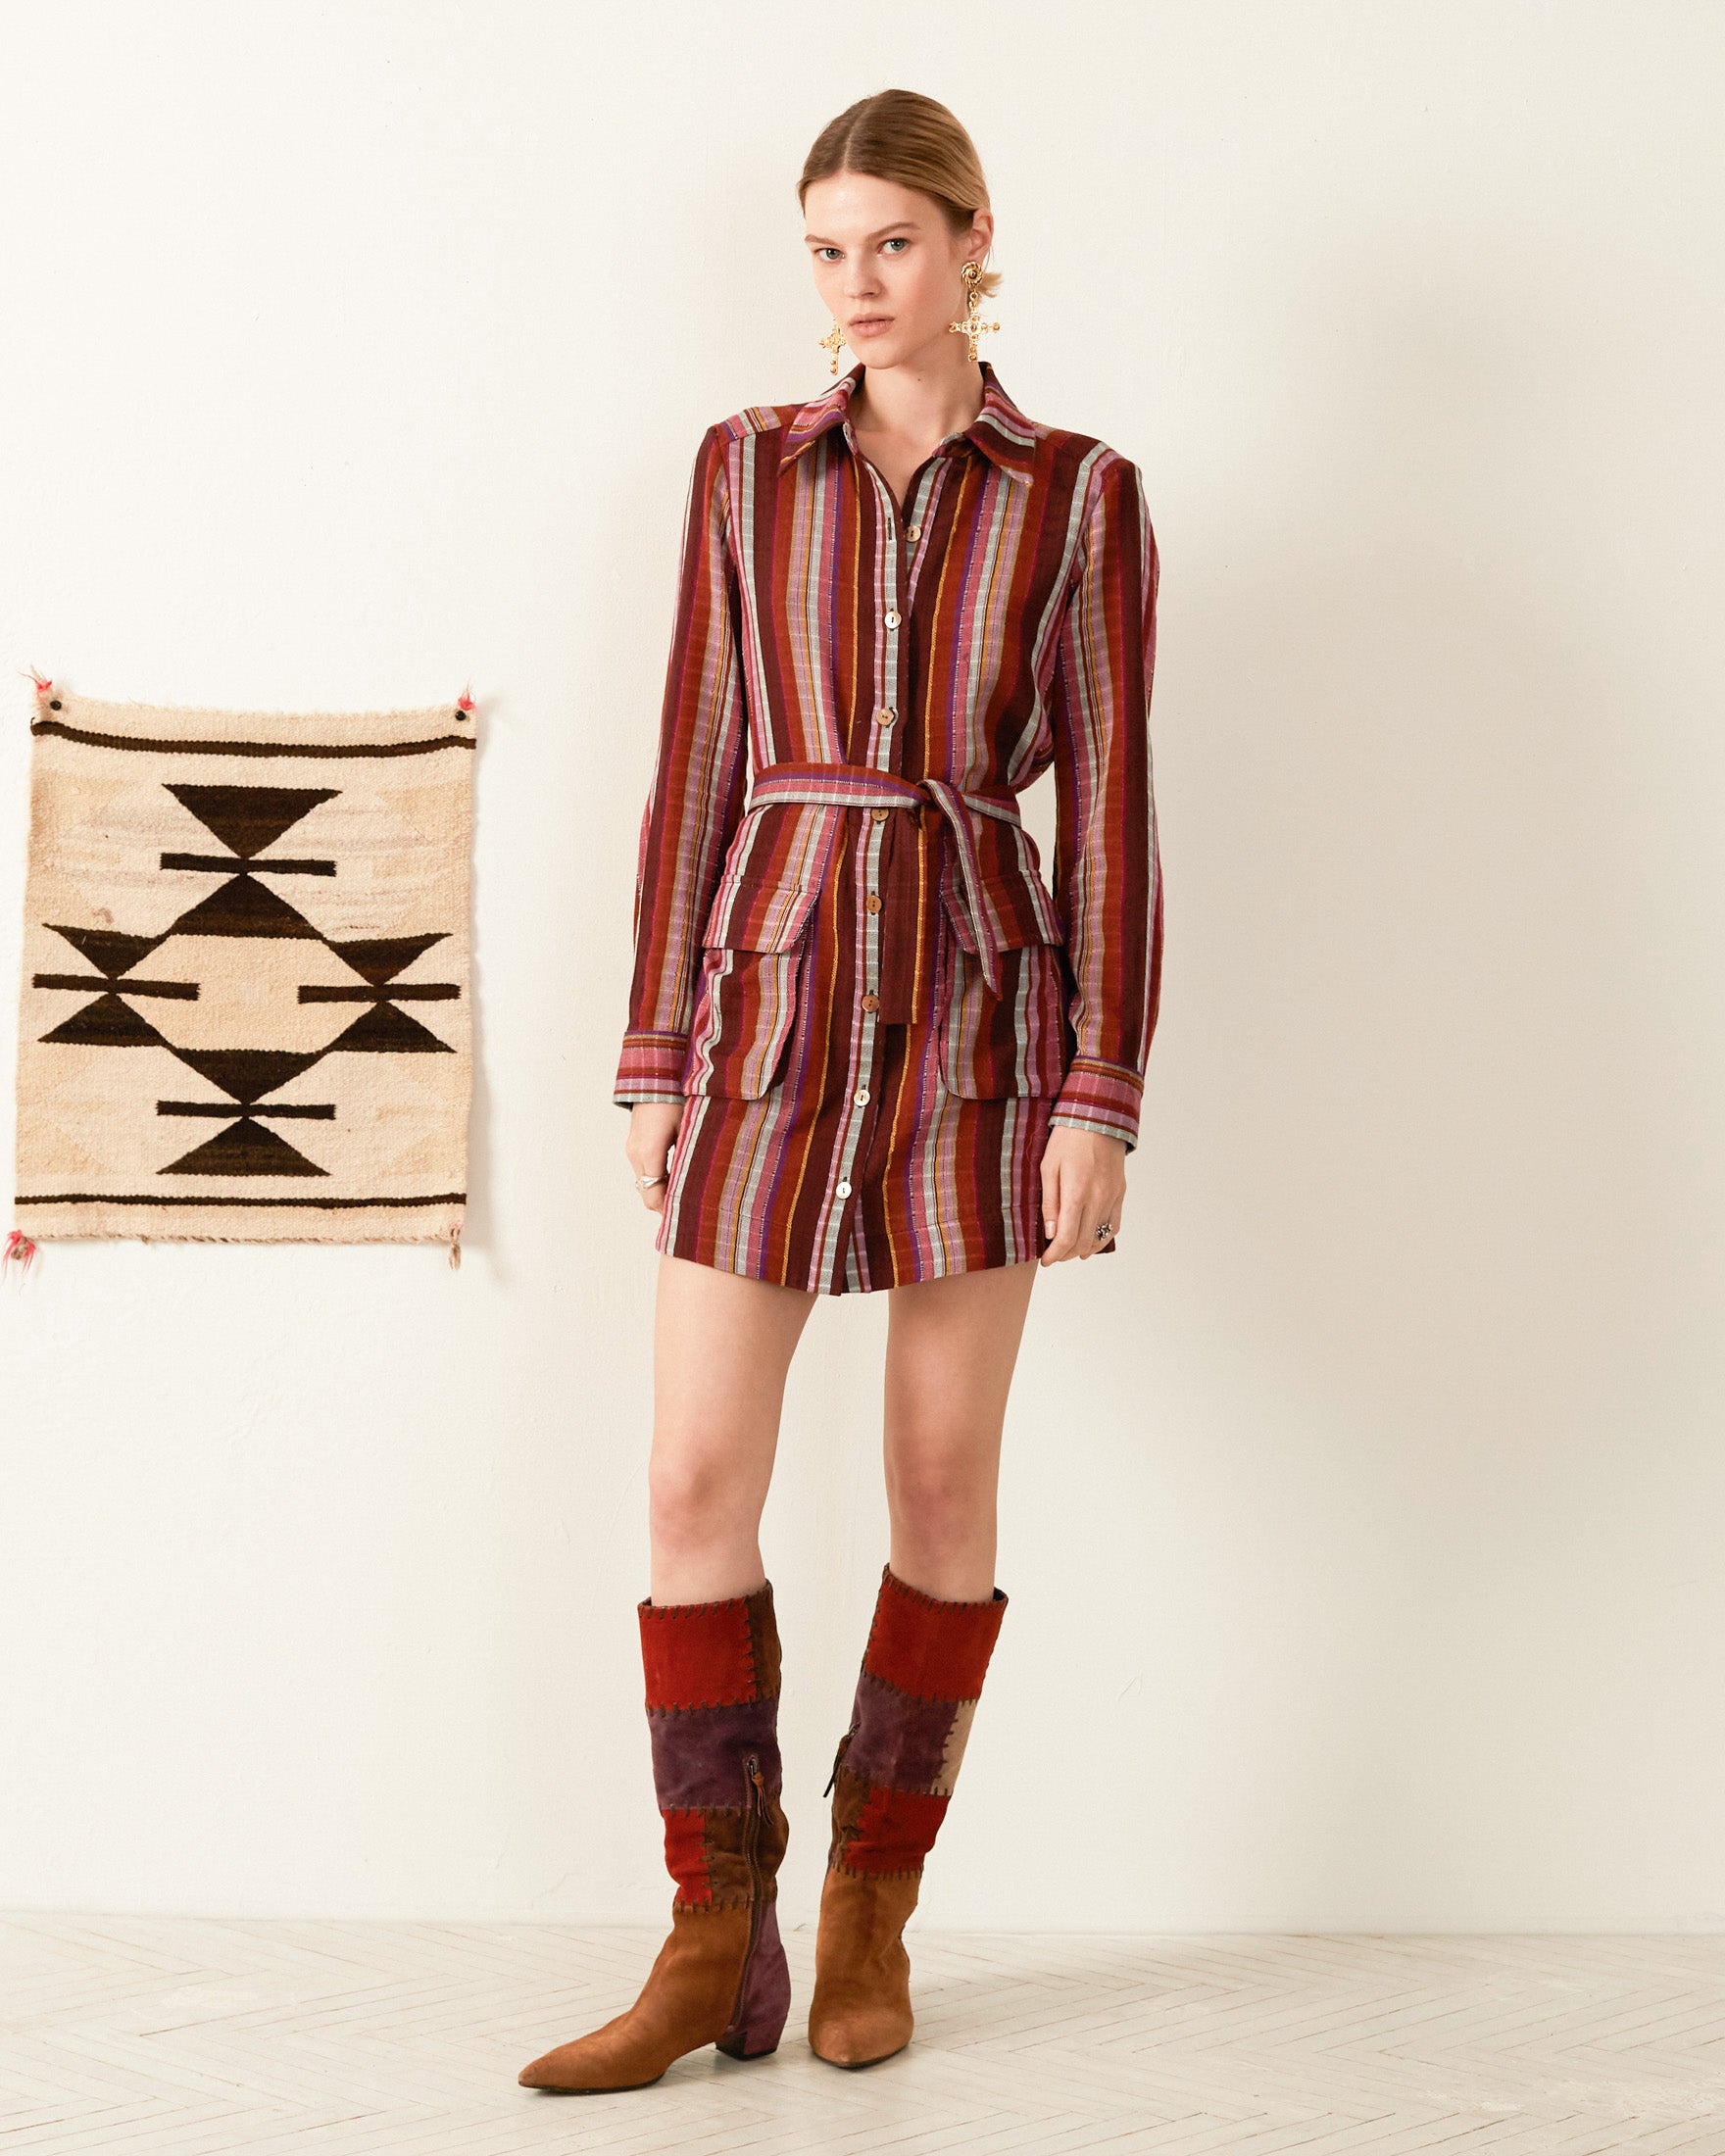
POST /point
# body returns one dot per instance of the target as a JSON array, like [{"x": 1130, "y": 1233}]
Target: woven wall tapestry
[{"x": 245, "y": 1002}]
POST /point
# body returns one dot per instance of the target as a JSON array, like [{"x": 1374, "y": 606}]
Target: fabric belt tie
[{"x": 853, "y": 786}]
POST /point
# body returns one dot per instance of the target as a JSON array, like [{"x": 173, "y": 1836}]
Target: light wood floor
[{"x": 192, "y": 2037}]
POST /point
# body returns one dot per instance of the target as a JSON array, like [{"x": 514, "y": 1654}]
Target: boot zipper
[
  {"x": 837, "y": 1758},
  {"x": 753, "y": 1800}
]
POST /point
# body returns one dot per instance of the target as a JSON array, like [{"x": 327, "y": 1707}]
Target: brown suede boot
[
  {"x": 922, "y": 1672},
  {"x": 712, "y": 1680}
]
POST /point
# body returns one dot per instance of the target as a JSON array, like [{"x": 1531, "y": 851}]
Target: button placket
[
  {"x": 890, "y": 670},
  {"x": 891, "y": 676},
  {"x": 873, "y": 846}
]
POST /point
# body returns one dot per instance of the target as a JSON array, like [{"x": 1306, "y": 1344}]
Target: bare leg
[
  {"x": 952, "y": 1345},
  {"x": 721, "y": 1351}
]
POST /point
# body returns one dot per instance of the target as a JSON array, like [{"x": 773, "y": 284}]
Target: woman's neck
[{"x": 921, "y": 404}]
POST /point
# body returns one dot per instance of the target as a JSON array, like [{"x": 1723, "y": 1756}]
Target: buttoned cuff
[
  {"x": 651, "y": 1069},
  {"x": 1101, "y": 1097}
]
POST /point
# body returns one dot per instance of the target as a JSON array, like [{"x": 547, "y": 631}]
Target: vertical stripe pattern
[{"x": 870, "y": 1004}]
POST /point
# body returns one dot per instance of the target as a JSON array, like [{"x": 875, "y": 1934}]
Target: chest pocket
[
  {"x": 1018, "y": 1042},
  {"x": 747, "y": 1002}
]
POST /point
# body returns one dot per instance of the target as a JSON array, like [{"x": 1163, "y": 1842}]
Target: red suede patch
[
  {"x": 894, "y": 1832},
  {"x": 686, "y": 1855},
  {"x": 698, "y": 1656},
  {"x": 933, "y": 1651}
]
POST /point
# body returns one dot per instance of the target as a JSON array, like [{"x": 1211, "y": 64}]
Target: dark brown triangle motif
[
  {"x": 250, "y": 818},
  {"x": 247, "y": 1073},
  {"x": 243, "y": 1149},
  {"x": 386, "y": 1029},
  {"x": 107, "y": 1023},
  {"x": 244, "y": 906},
  {"x": 106, "y": 949},
  {"x": 381, "y": 959}
]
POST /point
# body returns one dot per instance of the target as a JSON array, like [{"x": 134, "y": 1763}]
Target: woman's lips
[{"x": 871, "y": 325}]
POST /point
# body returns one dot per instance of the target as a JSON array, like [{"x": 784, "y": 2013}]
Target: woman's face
[{"x": 887, "y": 267}]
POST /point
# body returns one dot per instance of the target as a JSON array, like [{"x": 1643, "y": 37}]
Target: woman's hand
[
  {"x": 653, "y": 1125},
  {"x": 1083, "y": 1184}
]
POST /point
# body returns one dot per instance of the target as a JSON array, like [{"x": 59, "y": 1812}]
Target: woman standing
[{"x": 868, "y": 1048}]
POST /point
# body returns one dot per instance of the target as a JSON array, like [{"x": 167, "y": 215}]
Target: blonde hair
[{"x": 912, "y": 140}]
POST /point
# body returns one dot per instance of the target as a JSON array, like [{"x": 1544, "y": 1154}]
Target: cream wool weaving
[{"x": 245, "y": 1002}]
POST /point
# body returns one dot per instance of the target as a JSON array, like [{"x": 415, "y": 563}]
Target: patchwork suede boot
[
  {"x": 892, "y": 1780},
  {"x": 712, "y": 1682}
]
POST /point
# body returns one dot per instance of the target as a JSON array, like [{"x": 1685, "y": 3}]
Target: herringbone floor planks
[{"x": 195, "y": 2038}]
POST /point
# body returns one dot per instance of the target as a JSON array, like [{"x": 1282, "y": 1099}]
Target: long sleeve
[
  {"x": 1106, "y": 867},
  {"x": 696, "y": 796}
]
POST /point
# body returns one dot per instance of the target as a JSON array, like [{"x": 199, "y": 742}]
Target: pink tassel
[
  {"x": 16, "y": 1248},
  {"x": 42, "y": 685},
  {"x": 465, "y": 702}
]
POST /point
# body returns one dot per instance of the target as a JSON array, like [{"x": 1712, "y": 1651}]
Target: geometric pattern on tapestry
[
  {"x": 232, "y": 924},
  {"x": 246, "y": 819}
]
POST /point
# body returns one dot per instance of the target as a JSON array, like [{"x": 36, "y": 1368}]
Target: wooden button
[
  {"x": 872, "y": 901},
  {"x": 871, "y": 1003},
  {"x": 885, "y": 715},
  {"x": 881, "y": 814},
  {"x": 913, "y": 531}
]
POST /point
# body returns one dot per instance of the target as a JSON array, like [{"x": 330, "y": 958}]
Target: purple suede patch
[
  {"x": 699, "y": 1753},
  {"x": 898, "y": 1742},
  {"x": 767, "y": 1991}
]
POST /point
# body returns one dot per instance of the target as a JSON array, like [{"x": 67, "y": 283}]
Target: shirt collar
[{"x": 1000, "y": 429}]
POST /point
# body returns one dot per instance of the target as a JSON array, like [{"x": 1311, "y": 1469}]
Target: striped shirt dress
[{"x": 847, "y": 966}]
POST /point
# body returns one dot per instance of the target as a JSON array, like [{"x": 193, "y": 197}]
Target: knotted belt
[{"x": 854, "y": 786}]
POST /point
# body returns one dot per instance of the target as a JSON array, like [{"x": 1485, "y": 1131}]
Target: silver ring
[
  {"x": 646, "y": 1182},
  {"x": 1104, "y": 1231}
]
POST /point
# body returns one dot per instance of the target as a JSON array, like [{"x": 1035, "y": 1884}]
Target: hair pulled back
[{"x": 912, "y": 140}]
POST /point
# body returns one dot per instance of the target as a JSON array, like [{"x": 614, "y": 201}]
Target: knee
[
  {"x": 691, "y": 1501},
  {"x": 942, "y": 1497}
]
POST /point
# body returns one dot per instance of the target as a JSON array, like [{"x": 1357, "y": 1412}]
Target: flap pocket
[
  {"x": 775, "y": 870},
  {"x": 1013, "y": 908},
  {"x": 994, "y": 1045},
  {"x": 1016, "y": 900},
  {"x": 745, "y": 1017}
]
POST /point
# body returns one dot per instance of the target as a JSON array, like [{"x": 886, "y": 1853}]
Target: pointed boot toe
[
  {"x": 861, "y": 2011},
  {"x": 627, "y": 2052},
  {"x": 861, "y": 2039}
]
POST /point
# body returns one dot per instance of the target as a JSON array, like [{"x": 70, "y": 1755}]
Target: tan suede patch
[{"x": 956, "y": 1738}]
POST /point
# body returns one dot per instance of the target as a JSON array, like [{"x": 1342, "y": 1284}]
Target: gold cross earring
[
  {"x": 973, "y": 325},
  {"x": 834, "y": 337}
]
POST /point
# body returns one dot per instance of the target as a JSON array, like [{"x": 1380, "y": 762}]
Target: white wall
[{"x": 1362, "y": 1515}]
